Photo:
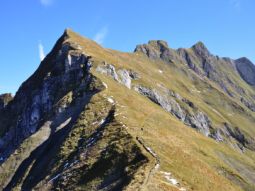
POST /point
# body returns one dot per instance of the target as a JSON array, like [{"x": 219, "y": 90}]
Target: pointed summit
[
  {"x": 200, "y": 49},
  {"x": 68, "y": 32},
  {"x": 246, "y": 70},
  {"x": 243, "y": 60}
]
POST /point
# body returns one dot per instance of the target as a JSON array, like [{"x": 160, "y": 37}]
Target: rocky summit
[{"x": 92, "y": 118}]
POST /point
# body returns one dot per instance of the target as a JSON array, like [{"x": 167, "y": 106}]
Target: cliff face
[
  {"x": 91, "y": 118},
  {"x": 65, "y": 70}
]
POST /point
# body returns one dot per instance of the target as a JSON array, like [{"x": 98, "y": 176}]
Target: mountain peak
[
  {"x": 153, "y": 49},
  {"x": 246, "y": 70},
  {"x": 200, "y": 49},
  {"x": 243, "y": 60},
  {"x": 67, "y": 33},
  {"x": 158, "y": 43}
]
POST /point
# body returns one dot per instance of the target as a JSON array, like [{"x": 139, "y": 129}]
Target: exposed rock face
[
  {"x": 125, "y": 78},
  {"x": 4, "y": 100},
  {"x": 248, "y": 104},
  {"x": 168, "y": 100},
  {"x": 201, "y": 50},
  {"x": 157, "y": 49},
  {"x": 236, "y": 134},
  {"x": 246, "y": 70},
  {"x": 188, "y": 60},
  {"x": 167, "y": 103},
  {"x": 240, "y": 139},
  {"x": 122, "y": 76},
  {"x": 108, "y": 70},
  {"x": 199, "y": 121},
  {"x": 65, "y": 69}
]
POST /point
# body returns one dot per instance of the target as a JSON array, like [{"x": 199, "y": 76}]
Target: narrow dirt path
[{"x": 154, "y": 155}]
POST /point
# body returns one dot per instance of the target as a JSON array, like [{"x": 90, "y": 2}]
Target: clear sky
[{"x": 29, "y": 28}]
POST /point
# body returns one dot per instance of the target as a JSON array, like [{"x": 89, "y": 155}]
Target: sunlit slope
[{"x": 198, "y": 162}]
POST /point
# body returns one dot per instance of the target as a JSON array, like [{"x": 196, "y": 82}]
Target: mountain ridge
[{"x": 155, "y": 119}]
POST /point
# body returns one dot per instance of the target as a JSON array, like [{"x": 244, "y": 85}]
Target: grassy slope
[{"x": 192, "y": 158}]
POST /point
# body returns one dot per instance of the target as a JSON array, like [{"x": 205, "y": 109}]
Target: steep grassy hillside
[{"x": 155, "y": 119}]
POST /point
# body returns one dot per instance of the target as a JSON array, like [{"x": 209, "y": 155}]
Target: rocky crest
[
  {"x": 246, "y": 70},
  {"x": 157, "y": 49},
  {"x": 201, "y": 50},
  {"x": 203, "y": 63}
]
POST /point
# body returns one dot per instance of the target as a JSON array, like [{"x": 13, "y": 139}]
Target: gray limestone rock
[
  {"x": 168, "y": 101},
  {"x": 108, "y": 70},
  {"x": 124, "y": 78},
  {"x": 200, "y": 121}
]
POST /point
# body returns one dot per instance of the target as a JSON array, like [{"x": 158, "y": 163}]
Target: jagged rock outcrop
[
  {"x": 122, "y": 76},
  {"x": 157, "y": 49},
  {"x": 241, "y": 139},
  {"x": 168, "y": 100},
  {"x": 249, "y": 104},
  {"x": 167, "y": 103},
  {"x": 108, "y": 70},
  {"x": 246, "y": 70},
  {"x": 201, "y": 50}
]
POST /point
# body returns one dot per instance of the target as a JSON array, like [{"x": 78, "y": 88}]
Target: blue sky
[{"x": 29, "y": 28}]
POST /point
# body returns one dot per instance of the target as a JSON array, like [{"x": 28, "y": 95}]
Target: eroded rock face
[
  {"x": 187, "y": 59},
  {"x": 122, "y": 76},
  {"x": 169, "y": 101},
  {"x": 157, "y": 49},
  {"x": 200, "y": 121},
  {"x": 248, "y": 104},
  {"x": 246, "y": 70},
  {"x": 108, "y": 70},
  {"x": 238, "y": 137},
  {"x": 201, "y": 50},
  {"x": 67, "y": 69}
]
